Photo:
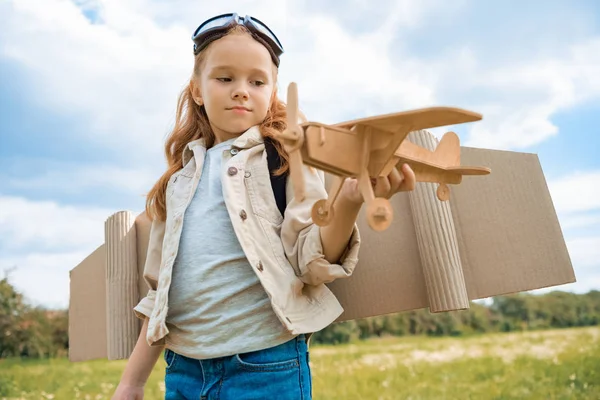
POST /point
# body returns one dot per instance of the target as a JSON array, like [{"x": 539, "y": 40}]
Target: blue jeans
[{"x": 281, "y": 372}]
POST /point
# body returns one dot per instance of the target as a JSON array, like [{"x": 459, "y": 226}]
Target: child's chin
[{"x": 240, "y": 128}]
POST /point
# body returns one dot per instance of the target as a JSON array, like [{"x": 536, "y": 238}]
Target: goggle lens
[
  {"x": 265, "y": 31},
  {"x": 217, "y": 22}
]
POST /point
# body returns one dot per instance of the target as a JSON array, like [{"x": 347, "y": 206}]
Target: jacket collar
[{"x": 248, "y": 139}]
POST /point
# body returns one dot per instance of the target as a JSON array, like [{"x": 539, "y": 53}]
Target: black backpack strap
[{"x": 277, "y": 182}]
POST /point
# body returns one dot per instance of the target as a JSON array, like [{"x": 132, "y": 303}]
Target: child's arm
[
  {"x": 301, "y": 238},
  {"x": 336, "y": 235},
  {"x": 144, "y": 357},
  {"x": 322, "y": 255},
  {"x": 138, "y": 369}
]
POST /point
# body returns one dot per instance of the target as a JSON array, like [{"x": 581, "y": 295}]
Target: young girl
[{"x": 235, "y": 286}]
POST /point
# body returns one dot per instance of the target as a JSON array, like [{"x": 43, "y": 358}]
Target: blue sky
[{"x": 89, "y": 89}]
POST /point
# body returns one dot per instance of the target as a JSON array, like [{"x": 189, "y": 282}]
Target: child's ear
[{"x": 196, "y": 93}]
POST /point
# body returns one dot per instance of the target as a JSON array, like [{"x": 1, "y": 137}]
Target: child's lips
[{"x": 239, "y": 109}]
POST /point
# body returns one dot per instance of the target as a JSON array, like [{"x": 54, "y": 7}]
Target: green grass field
[{"x": 557, "y": 364}]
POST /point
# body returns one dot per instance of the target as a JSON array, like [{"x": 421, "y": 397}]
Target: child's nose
[{"x": 240, "y": 92}]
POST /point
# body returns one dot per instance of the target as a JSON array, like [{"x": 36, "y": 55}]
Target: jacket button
[
  {"x": 234, "y": 151},
  {"x": 259, "y": 266},
  {"x": 243, "y": 215},
  {"x": 232, "y": 171}
]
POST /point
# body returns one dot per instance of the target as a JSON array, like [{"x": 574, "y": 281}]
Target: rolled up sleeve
[
  {"x": 151, "y": 269},
  {"x": 144, "y": 308},
  {"x": 301, "y": 237}
]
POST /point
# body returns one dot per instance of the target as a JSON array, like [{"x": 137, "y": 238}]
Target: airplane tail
[{"x": 447, "y": 152}]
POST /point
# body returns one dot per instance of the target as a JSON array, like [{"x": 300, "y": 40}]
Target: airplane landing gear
[
  {"x": 321, "y": 213},
  {"x": 379, "y": 214},
  {"x": 443, "y": 192}
]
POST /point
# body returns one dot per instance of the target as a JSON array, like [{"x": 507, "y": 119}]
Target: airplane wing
[
  {"x": 466, "y": 170},
  {"x": 413, "y": 120},
  {"x": 401, "y": 124},
  {"x": 426, "y": 171}
]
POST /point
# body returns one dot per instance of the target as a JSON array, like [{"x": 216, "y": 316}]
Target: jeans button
[
  {"x": 232, "y": 171},
  {"x": 243, "y": 215}
]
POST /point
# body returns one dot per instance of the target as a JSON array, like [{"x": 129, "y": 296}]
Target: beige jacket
[{"x": 285, "y": 252}]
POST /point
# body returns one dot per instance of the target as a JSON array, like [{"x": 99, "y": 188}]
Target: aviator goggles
[{"x": 216, "y": 27}]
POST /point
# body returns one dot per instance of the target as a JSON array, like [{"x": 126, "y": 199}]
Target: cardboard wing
[
  {"x": 497, "y": 235},
  {"x": 505, "y": 230}
]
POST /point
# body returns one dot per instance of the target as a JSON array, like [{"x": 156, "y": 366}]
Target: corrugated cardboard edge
[
  {"x": 122, "y": 283},
  {"x": 438, "y": 242}
]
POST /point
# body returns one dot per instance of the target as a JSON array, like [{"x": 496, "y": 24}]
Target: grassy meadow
[{"x": 553, "y": 364}]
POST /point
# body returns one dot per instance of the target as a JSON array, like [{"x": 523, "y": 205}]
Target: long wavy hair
[{"x": 191, "y": 123}]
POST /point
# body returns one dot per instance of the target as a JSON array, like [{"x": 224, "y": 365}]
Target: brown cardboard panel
[
  {"x": 142, "y": 230},
  {"x": 508, "y": 234},
  {"x": 510, "y": 237},
  {"x": 87, "y": 308}
]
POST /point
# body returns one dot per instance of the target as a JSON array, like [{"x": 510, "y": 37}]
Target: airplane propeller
[{"x": 293, "y": 139}]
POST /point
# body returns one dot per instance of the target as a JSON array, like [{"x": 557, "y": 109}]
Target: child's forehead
[
  {"x": 238, "y": 68},
  {"x": 240, "y": 53}
]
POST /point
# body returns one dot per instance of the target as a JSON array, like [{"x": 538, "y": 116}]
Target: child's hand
[
  {"x": 128, "y": 392},
  {"x": 383, "y": 186}
]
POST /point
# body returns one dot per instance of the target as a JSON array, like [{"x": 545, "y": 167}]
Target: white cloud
[
  {"x": 580, "y": 220},
  {"x": 585, "y": 252},
  {"x": 43, "y": 278},
  {"x": 42, "y": 241},
  {"x": 30, "y": 226},
  {"x": 122, "y": 78},
  {"x": 529, "y": 92},
  {"x": 341, "y": 74},
  {"x": 123, "y": 75},
  {"x": 576, "y": 200},
  {"x": 73, "y": 179},
  {"x": 576, "y": 192}
]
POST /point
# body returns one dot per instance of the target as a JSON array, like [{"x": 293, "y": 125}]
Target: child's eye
[
  {"x": 259, "y": 83},
  {"x": 224, "y": 79}
]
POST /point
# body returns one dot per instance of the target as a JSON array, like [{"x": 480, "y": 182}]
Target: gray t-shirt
[{"x": 218, "y": 306}]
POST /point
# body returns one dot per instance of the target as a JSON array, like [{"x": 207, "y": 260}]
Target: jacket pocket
[
  {"x": 178, "y": 190},
  {"x": 262, "y": 198}
]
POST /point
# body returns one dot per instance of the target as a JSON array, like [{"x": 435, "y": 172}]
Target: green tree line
[
  {"x": 517, "y": 312},
  {"x": 27, "y": 331}
]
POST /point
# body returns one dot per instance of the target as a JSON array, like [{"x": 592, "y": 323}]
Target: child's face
[{"x": 235, "y": 85}]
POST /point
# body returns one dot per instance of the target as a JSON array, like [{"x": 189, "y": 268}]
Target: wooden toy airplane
[{"x": 371, "y": 147}]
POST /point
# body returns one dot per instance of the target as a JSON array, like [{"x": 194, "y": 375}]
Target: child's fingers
[
  {"x": 382, "y": 187},
  {"x": 396, "y": 180},
  {"x": 409, "y": 179}
]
